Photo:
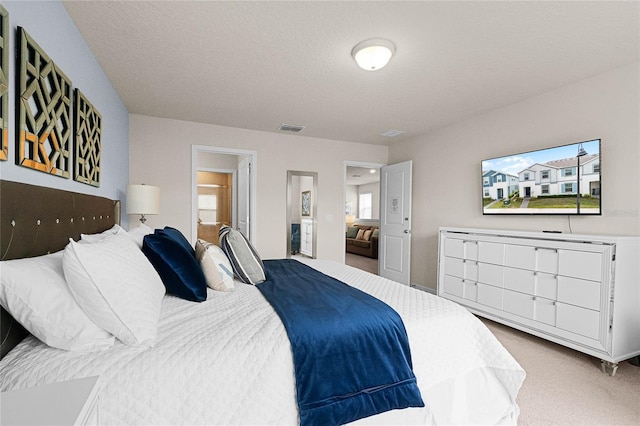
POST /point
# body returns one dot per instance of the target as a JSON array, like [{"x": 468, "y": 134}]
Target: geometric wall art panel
[
  {"x": 88, "y": 141},
  {"x": 44, "y": 121},
  {"x": 4, "y": 84}
]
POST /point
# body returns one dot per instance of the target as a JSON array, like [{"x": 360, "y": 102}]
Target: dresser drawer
[
  {"x": 519, "y": 304},
  {"x": 490, "y": 296},
  {"x": 578, "y": 320},
  {"x": 489, "y": 252},
  {"x": 580, "y": 264},
  {"x": 462, "y": 268},
  {"x": 453, "y": 286},
  {"x": 520, "y": 280},
  {"x": 583, "y": 293},
  {"x": 491, "y": 274},
  {"x": 460, "y": 248}
]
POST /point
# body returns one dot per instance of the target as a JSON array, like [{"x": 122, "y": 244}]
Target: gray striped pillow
[{"x": 245, "y": 261}]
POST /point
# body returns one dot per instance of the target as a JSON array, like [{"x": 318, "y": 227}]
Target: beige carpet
[
  {"x": 567, "y": 387},
  {"x": 362, "y": 262}
]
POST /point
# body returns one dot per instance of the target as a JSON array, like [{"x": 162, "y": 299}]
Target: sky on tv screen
[{"x": 514, "y": 164}]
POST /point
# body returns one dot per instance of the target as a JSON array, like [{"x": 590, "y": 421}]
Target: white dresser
[
  {"x": 581, "y": 291},
  {"x": 306, "y": 237}
]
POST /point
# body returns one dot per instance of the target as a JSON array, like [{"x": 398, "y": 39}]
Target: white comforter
[{"x": 228, "y": 361}]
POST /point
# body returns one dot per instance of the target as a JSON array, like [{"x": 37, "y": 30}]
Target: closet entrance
[{"x": 215, "y": 202}]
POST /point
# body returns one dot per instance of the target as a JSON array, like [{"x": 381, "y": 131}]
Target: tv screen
[{"x": 559, "y": 180}]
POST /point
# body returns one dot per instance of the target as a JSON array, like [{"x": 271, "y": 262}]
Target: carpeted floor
[
  {"x": 567, "y": 387},
  {"x": 362, "y": 262}
]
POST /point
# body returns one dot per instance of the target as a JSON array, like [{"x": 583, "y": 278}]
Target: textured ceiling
[{"x": 257, "y": 65}]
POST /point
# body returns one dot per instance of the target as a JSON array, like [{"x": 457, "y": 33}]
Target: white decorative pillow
[
  {"x": 215, "y": 266},
  {"x": 93, "y": 238},
  {"x": 35, "y": 293},
  {"x": 116, "y": 286},
  {"x": 137, "y": 234}
]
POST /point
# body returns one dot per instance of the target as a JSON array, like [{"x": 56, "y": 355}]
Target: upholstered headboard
[{"x": 35, "y": 220}]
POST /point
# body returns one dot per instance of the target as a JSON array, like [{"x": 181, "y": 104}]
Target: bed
[{"x": 228, "y": 360}]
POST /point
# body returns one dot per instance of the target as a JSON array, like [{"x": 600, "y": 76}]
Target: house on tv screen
[{"x": 560, "y": 177}]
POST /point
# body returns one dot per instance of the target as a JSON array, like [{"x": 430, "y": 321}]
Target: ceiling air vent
[
  {"x": 393, "y": 133},
  {"x": 291, "y": 128}
]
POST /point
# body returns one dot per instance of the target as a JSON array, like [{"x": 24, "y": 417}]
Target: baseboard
[{"x": 423, "y": 288}]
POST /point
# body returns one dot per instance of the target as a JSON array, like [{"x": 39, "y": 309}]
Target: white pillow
[
  {"x": 137, "y": 234},
  {"x": 93, "y": 238},
  {"x": 215, "y": 266},
  {"x": 35, "y": 293},
  {"x": 116, "y": 286}
]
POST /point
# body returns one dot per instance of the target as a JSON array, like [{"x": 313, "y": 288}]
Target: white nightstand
[{"x": 65, "y": 403}]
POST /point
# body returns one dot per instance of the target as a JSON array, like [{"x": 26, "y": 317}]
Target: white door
[
  {"x": 244, "y": 182},
  {"x": 395, "y": 222}
]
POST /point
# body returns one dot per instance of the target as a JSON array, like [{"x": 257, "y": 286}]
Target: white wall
[
  {"x": 447, "y": 174},
  {"x": 52, "y": 28},
  {"x": 160, "y": 154},
  {"x": 351, "y": 196}
]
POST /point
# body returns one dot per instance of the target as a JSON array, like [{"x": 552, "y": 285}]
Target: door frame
[{"x": 253, "y": 181}]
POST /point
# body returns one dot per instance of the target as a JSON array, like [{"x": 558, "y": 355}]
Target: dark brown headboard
[{"x": 35, "y": 220}]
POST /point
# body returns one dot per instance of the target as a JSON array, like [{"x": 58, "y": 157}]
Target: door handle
[{"x": 407, "y": 231}]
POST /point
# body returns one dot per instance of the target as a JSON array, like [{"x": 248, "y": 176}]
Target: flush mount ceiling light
[{"x": 373, "y": 54}]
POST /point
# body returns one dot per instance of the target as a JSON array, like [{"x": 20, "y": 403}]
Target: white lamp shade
[
  {"x": 371, "y": 55},
  {"x": 143, "y": 199}
]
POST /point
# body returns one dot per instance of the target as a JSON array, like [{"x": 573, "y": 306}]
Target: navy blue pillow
[
  {"x": 179, "y": 270},
  {"x": 178, "y": 237}
]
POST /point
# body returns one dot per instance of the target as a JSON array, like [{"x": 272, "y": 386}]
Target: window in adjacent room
[
  {"x": 365, "y": 202},
  {"x": 207, "y": 209},
  {"x": 545, "y": 189},
  {"x": 544, "y": 174}
]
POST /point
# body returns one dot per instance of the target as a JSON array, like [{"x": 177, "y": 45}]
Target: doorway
[
  {"x": 362, "y": 208},
  {"x": 241, "y": 165}
]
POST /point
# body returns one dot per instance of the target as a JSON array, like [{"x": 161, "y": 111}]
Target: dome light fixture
[{"x": 373, "y": 54}]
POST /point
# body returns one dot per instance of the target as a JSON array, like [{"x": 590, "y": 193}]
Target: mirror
[{"x": 302, "y": 211}]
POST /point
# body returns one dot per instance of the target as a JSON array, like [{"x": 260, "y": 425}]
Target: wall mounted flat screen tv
[{"x": 559, "y": 180}]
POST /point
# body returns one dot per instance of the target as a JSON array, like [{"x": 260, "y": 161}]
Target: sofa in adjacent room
[{"x": 362, "y": 240}]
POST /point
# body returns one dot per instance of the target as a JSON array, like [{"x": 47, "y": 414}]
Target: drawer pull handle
[{"x": 546, "y": 248}]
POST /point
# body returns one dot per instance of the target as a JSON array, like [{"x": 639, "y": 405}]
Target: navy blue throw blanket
[{"x": 350, "y": 350}]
